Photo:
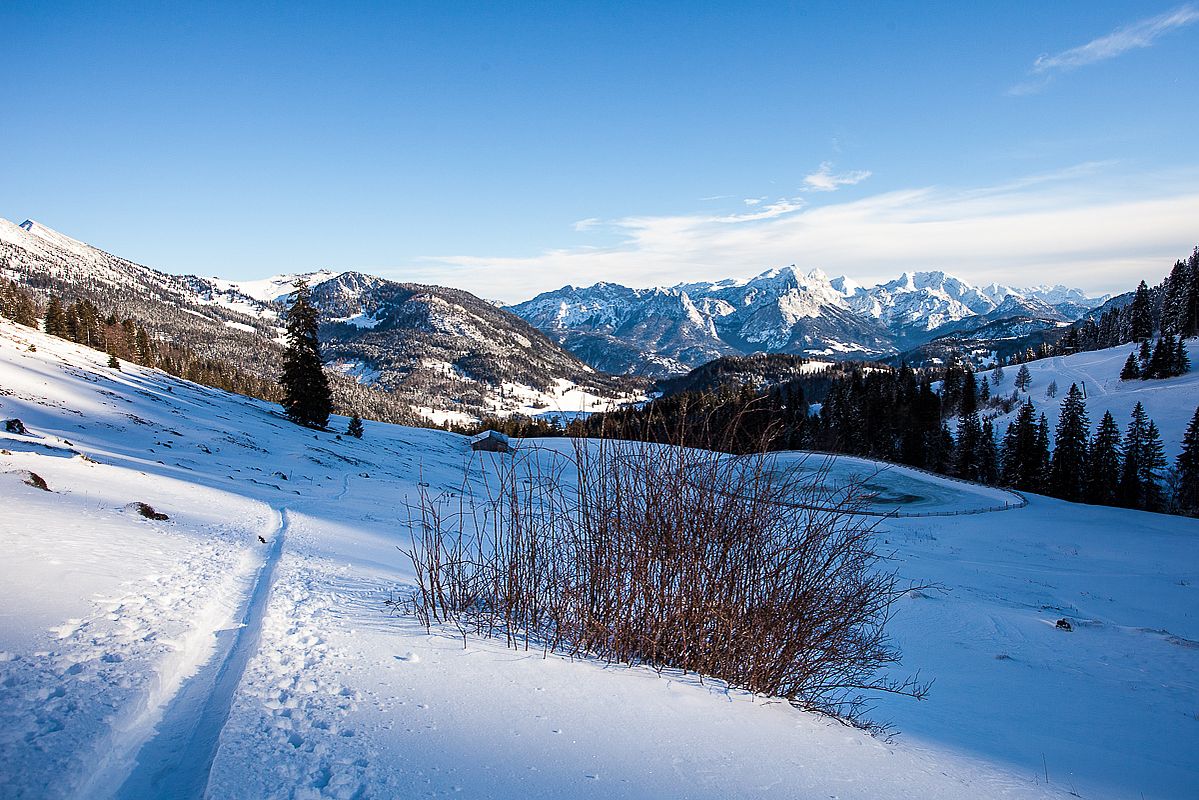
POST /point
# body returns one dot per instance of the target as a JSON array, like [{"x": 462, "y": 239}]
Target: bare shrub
[{"x": 727, "y": 566}]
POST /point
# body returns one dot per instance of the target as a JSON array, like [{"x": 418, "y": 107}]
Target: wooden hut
[{"x": 491, "y": 442}]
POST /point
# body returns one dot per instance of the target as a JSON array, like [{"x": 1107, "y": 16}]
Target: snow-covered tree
[{"x": 1140, "y": 315}]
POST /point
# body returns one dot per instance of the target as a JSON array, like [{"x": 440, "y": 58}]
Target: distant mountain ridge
[
  {"x": 444, "y": 352},
  {"x": 668, "y": 330}
]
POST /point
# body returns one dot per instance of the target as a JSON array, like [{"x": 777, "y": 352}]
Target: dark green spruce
[{"x": 306, "y": 395}]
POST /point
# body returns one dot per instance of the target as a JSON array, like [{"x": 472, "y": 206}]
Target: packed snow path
[
  {"x": 107, "y": 623},
  {"x": 176, "y": 762}
]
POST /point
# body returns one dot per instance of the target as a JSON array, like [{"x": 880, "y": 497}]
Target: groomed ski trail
[{"x": 175, "y": 762}]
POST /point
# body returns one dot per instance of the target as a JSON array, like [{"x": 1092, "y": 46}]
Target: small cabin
[{"x": 491, "y": 442}]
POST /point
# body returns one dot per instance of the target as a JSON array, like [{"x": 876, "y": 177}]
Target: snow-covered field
[
  {"x": 1170, "y": 402},
  {"x": 187, "y": 657}
]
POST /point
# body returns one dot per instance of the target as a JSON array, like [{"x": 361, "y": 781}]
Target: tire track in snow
[{"x": 175, "y": 762}]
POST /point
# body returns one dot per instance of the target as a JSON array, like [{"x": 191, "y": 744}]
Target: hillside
[
  {"x": 1170, "y": 402},
  {"x": 129, "y": 646},
  {"x": 437, "y": 353}
]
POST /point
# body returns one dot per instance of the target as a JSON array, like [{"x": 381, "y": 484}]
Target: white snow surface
[
  {"x": 274, "y": 288},
  {"x": 185, "y": 657}
]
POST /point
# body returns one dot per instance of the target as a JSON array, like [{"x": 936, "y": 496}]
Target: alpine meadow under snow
[
  {"x": 639, "y": 401},
  {"x": 240, "y": 645}
]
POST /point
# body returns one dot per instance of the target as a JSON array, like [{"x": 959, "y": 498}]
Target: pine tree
[
  {"x": 1103, "y": 471},
  {"x": 306, "y": 395},
  {"x": 1023, "y": 378},
  {"x": 1145, "y": 357},
  {"x": 1020, "y": 462},
  {"x": 113, "y": 363},
  {"x": 1131, "y": 492},
  {"x": 56, "y": 318},
  {"x": 968, "y": 448},
  {"x": 1176, "y": 300},
  {"x": 997, "y": 374},
  {"x": 1140, "y": 315},
  {"x": 1180, "y": 364},
  {"x": 1153, "y": 461},
  {"x": 1132, "y": 369},
  {"x": 1186, "y": 495},
  {"x": 17, "y": 304},
  {"x": 1051, "y": 390},
  {"x": 1067, "y": 478},
  {"x": 988, "y": 468},
  {"x": 1041, "y": 454},
  {"x": 1159, "y": 362},
  {"x": 355, "y": 427}
]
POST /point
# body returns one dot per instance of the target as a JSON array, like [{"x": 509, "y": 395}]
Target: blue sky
[{"x": 513, "y": 148}]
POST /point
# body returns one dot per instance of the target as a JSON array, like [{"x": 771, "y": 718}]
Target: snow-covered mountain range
[
  {"x": 455, "y": 356},
  {"x": 444, "y": 352},
  {"x": 668, "y": 330}
]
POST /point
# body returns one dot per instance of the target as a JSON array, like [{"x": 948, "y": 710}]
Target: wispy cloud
[
  {"x": 1133, "y": 37},
  {"x": 587, "y": 224},
  {"x": 823, "y": 179},
  {"x": 763, "y": 209},
  {"x": 1088, "y": 226}
]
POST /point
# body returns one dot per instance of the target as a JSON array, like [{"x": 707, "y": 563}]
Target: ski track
[
  {"x": 1081, "y": 377},
  {"x": 176, "y": 761}
]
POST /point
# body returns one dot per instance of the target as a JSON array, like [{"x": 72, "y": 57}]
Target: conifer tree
[
  {"x": 1103, "y": 471},
  {"x": 17, "y": 305},
  {"x": 997, "y": 374},
  {"x": 1023, "y": 378},
  {"x": 988, "y": 468},
  {"x": 1041, "y": 454},
  {"x": 1140, "y": 315},
  {"x": 1145, "y": 357},
  {"x": 1153, "y": 461},
  {"x": 1135, "y": 455},
  {"x": 1067, "y": 478},
  {"x": 1051, "y": 390},
  {"x": 306, "y": 395},
  {"x": 1180, "y": 364},
  {"x": 1161, "y": 360},
  {"x": 1020, "y": 463},
  {"x": 1176, "y": 300},
  {"x": 1186, "y": 496},
  {"x": 355, "y": 427},
  {"x": 56, "y": 318},
  {"x": 1132, "y": 368},
  {"x": 113, "y": 363},
  {"x": 968, "y": 447}
]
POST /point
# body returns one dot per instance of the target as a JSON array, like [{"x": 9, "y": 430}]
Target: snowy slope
[
  {"x": 1170, "y": 402},
  {"x": 131, "y": 648}
]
